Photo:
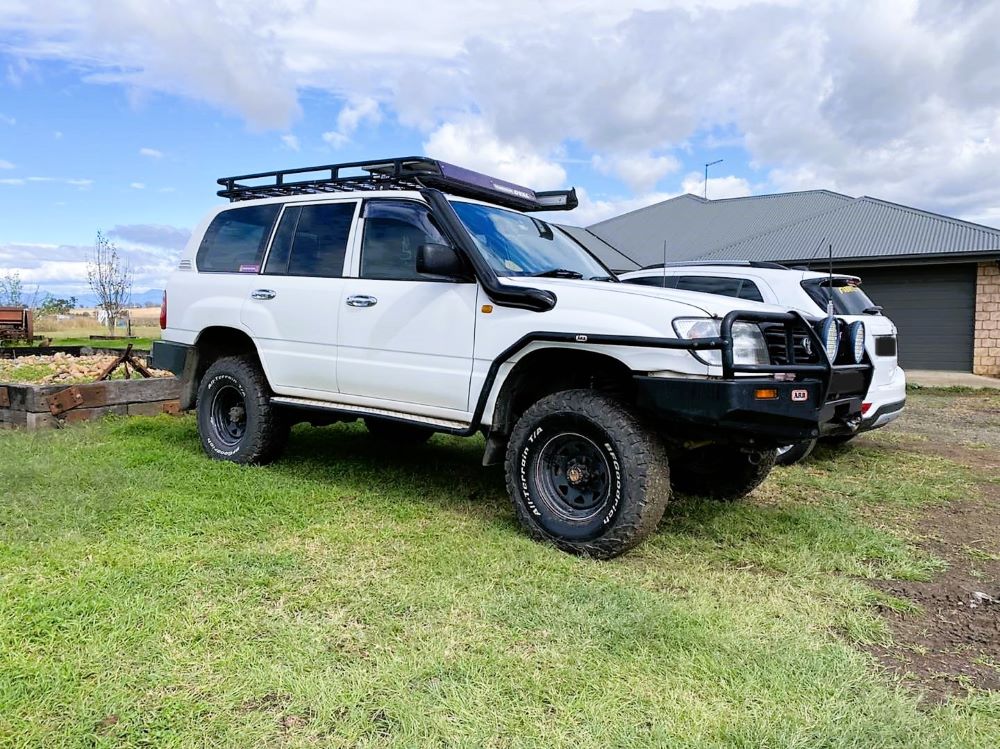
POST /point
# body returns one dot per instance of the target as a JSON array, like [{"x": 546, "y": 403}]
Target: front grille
[
  {"x": 777, "y": 345},
  {"x": 885, "y": 345}
]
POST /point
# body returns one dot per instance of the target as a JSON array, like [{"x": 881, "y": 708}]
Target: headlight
[
  {"x": 749, "y": 346},
  {"x": 856, "y": 335},
  {"x": 830, "y": 333}
]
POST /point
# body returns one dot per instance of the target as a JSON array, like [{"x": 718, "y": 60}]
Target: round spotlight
[
  {"x": 830, "y": 333},
  {"x": 856, "y": 335}
]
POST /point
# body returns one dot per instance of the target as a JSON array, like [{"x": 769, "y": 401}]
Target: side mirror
[{"x": 441, "y": 260}]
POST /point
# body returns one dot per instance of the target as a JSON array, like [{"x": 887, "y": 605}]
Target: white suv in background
[{"x": 807, "y": 292}]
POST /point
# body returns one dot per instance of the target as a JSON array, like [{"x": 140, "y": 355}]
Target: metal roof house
[{"x": 937, "y": 277}]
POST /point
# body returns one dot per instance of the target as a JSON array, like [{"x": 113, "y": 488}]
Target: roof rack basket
[{"x": 409, "y": 173}]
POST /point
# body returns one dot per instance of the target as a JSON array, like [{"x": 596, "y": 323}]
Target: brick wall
[{"x": 986, "y": 359}]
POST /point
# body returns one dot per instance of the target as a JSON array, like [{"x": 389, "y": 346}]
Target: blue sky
[{"x": 119, "y": 115}]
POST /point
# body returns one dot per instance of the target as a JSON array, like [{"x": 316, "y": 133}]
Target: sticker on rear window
[
  {"x": 846, "y": 289},
  {"x": 250, "y": 269}
]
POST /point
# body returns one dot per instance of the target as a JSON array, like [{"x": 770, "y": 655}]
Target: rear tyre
[
  {"x": 236, "y": 420},
  {"x": 721, "y": 472},
  {"x": 791, "y": 454},
  {"x": 386, "y": 430},
  {"x": 585, "y": 474}
]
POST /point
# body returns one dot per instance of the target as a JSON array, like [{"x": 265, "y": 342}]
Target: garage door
[{"x": 934, "y": 308}]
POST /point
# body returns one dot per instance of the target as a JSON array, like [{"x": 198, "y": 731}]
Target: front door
[
  {"x": 292, "y": 311},
  {"x": 403, "y": 336}
]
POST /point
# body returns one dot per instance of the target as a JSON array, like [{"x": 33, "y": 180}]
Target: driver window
[{"x": 394, "y": 229}]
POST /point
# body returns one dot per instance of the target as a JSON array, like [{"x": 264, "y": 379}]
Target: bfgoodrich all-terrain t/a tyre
[
  {"x": 723, "y": 472},
  {"x": 585, "y": 474},
  {"x": 236, "y": 420}
]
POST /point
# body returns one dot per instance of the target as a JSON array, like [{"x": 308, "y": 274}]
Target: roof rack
[
  {"x": 409, "y": 173},
  {"x": 737, "y": 263}
]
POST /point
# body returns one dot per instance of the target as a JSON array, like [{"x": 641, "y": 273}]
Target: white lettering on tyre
[
  {"x": 525, "y": 492},
  {"x": 618, "y": 484}
]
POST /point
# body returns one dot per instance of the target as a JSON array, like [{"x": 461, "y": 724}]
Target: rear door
[
  {"x": 403, "y": 336},
  {"x": 293, "y": 309}
]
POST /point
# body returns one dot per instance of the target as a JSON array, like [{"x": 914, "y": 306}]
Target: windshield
[
  {"x": 518, "y": 245},
  {"x": 848, "y": 298}
]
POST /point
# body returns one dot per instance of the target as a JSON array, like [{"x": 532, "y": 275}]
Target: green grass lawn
[
  {"x": 353, "y": 594},
  {"x": 137, "y": 342}
]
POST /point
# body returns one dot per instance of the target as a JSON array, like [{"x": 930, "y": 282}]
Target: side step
[{"x": 442, "y": 425}]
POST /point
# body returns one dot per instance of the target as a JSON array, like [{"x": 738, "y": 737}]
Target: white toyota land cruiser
[{"x": 422, "y": 297}]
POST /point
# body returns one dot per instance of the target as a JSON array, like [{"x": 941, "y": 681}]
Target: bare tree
[
  {"x": 11, "y": 290},
  {"x": 110, "y": 279}
]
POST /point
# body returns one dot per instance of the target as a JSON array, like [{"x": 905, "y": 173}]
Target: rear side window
[
  {"x": 663, "y": 282},
  {"x": 312, "y": 240},
  {"x": 393, "y": 232},
  {"x": 848, "y": 298},
  {"x": 234, "y": 242},
  {"x": 741, "y": 288}
]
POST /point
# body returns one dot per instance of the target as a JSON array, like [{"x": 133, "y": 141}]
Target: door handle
[
  {"x": 262, "y": 294},
  {"x": 361, "y": 300}
]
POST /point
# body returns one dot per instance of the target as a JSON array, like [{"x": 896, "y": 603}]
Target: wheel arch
[
  {"x": 212, "y": 343},
  {"x": 550, "y": 369}
]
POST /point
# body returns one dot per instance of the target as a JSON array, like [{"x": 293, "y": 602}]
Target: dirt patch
[
  {"x": 951, "y": 642},
  {"x": 967, "y": 418}
]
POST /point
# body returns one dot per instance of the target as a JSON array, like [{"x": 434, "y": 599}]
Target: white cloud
[
  {"x": 5, "y": 164},
  {"x": 57, "y": 134},
  {"x": 471, "y": 143},
  {"x": 593, "y": 209},
  {"x": 72, "y": 182},
  {"x": 63, "y": 268},
  {"x": 641, "y": 172},
  {"x": 151, "y": 153},
  {"x": 137, "y": 185},
  {"x": 718, "y": 187},
  {"x": 7, "y": 120},
  {"x": 363, "y": 111},
  {"x": 291, "y": 142},
  {"x": 896, "y": 98}
]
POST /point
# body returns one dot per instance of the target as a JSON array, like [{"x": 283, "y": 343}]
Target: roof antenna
[
  {"x": 664, "y": 263},
  {"x": 829, "y": 291},
  {"x": 710, "y": 163}
]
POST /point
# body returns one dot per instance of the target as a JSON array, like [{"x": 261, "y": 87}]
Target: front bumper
[
  {"x": 731, "y": 409},
  {"x": 766, "y": 405}
]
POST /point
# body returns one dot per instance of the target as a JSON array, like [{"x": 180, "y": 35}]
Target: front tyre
[
  {"x": 236, "y": 420},
  {"x": 721, "y": 472},
  {"x": 585, "y": 474}
]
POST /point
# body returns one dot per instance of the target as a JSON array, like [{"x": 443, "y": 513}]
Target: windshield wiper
[
  {"x": 873, "y": 310},
  {"x": 558, "y": 273},
  {"x": 603, "y": 278}
]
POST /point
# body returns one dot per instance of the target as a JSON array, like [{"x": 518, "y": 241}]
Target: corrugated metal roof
[
  {"x": 604, "y": 252},
  {"x": 693, "y": 227},
  {"x": 787, "y": 227},
  {"x": 865, "y": 228}
]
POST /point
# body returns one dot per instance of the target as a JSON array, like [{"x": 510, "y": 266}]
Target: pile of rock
[{"x": 67, "y": 369}]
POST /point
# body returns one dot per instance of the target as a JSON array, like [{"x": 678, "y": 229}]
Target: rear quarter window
[
  {"x": 235, "y": 240},
  {"x": 848, "y": 298},
  {"x": 660, "y": 281}
]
